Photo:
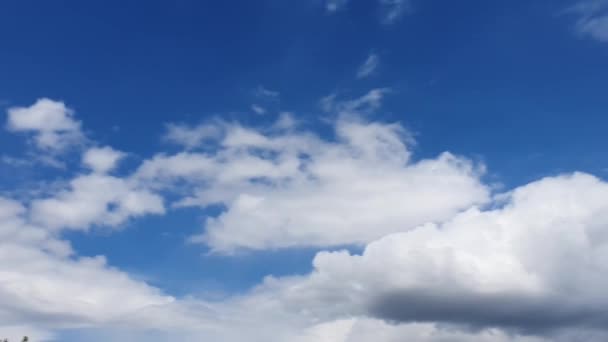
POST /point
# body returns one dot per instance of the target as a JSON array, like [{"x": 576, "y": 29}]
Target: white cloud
[
  {"x": 596, "y": 27},
  {"x": 286, "y": 120},
  {"x": 258, "y": 109},
  {"x": 190, "y": 137},
  {"x": 335, "y": 5},
  {"x": 436, "y": 266},
  {"x": 266, "y": 94},
  {"x": 392, "y": 10},
  {"x": 51, "y": 122},
  {"x": 103, "y": 159},
  {"x": 366, "y": 104},
  {"x": 95, "y": 199},
  {"x": 369, "y": 66},
  {"x": 45, "y": 287},
  {"x": 292, "y": 188},
  {"x": 535, "y": 265},
  {"x": 593, "y": 20}
]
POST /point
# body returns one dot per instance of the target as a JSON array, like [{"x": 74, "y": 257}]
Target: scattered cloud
[
  {"x": 102, "y": 159},
  {"x": 95, "y": 199},
  {"x": 45, "y": 287},
  {"x": 265, "y": 93},
  {"x": 285, "y": 121},
  {"x": 51, "y": 122},
  {"x": 392, "y": 10},
  {"x": 483, "y": 269},
  {"x": 368, "y": 67},
  {"x": 271, "y": 181},
  {"x": 593, "y": 19},
  {"x": 259, "y": 110},
  {"x": 366, "y": 104},
  {"x": 335, "y": 5},
  {"x": 442, "y": 259},
  {"x": 190, "y": 137}
]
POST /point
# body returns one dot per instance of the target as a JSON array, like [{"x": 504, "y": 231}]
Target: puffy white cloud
[
  {"x": 369, "y": 66},
  {"x": 442, "y": 262},
  {"x": 294, "y": 188},
  {"x": 51, "y": 122},
  {"x": 95, "y": 199},
  {"x": 102, "y": 159},
  {"x": 45, "y": 287},
  {"x": 535, "y": 265},
  {"x": 190, "y": 137}
]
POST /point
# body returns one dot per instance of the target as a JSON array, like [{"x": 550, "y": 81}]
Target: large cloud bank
[{"x": 444, "y": 257}]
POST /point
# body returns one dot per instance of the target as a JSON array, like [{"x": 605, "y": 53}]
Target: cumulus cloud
[
  {"x": 45, "y": 287},
  {"x": 51, "y": 122},
  {"x": 442, "y": 259},
  {"x": 535, "y": 266},
  {"x": 294, "y": 188},
  {"x": 369, "y": 66},
  {"x": 102, "y": 159},
  {"x": 190, "y": 137},
  {"x": 95, "y": 199}
]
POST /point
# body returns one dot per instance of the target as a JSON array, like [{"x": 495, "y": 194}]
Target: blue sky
[{"x": 218, "y": 154}]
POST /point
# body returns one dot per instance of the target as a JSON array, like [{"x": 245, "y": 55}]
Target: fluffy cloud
[
  {"x": 190, "y": 137},
  {"x": 535, "y": 265},
  {"x": 95, "y": 199},
  {"x": 369, "y": 66},
  {"x": 102, "y": 160},
  {"x": 45, "y": 287},
  {"x": 287, "y": 188},
  {"x": 51, "y": 122},
  {"x": 442, "y": 260}
]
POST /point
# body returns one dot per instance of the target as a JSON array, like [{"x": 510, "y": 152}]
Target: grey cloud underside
[{"x": 524, "y": 314}]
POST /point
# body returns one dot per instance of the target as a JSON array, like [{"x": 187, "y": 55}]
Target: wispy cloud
[
  {"x": 258, "y": 109},
  {"x": 265, "y": 93},
  {"x": 593, "y": 19},
  {"x": 335, "y": 5},
  {"x": 392, "y": 10},
  {"x": 369, "y": 66}
]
